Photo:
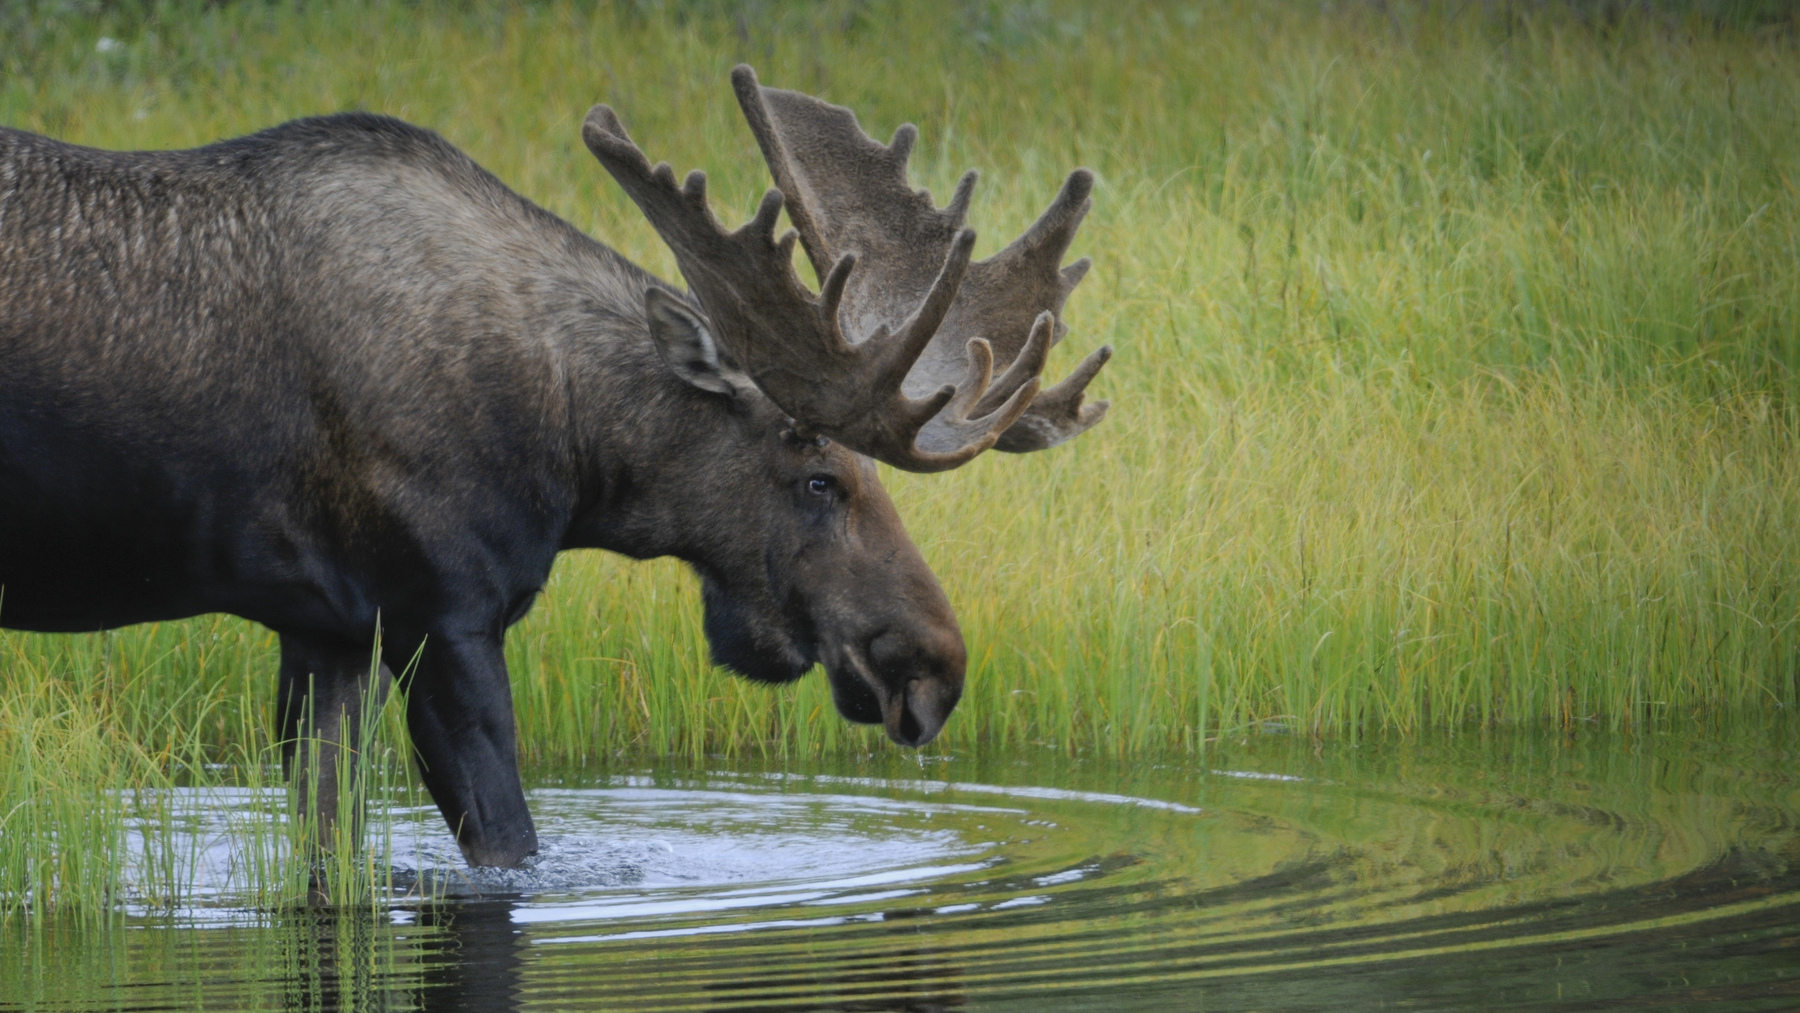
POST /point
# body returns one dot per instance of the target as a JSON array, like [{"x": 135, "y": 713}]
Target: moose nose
[
  {"x": 916, "y": 714},
  {"x": 919, "y": 672}
]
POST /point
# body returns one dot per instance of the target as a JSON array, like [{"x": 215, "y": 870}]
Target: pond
[{"x": 1513, "y": 870}]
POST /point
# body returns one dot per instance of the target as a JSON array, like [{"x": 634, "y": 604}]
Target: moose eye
[{"x": 818, "y": 485}]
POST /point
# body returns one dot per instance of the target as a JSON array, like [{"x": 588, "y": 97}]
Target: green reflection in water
[{"x": 1473, "y": 872}]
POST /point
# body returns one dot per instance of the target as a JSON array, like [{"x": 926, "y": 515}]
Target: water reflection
[
  {"x": 472, "y": 955},
  {"x": 1486, "y": 873},
  {"x": 921, "y": 978}
]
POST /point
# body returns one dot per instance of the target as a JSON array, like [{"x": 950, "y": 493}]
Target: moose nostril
[{"x": 911, "y": 731}]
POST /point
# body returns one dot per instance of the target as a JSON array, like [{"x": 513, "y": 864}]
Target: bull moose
[{"x": 335, "y": 375}]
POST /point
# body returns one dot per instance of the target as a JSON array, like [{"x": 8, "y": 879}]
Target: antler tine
[
  {"x": 900, "y": 148},
  {"x": 958, "y": 208},
  {"x": 1049, "y": 237},
  {"x": 749, "y": 96},
  {"x": 956, "y": 433},
  {"x": 922, "y": 327},
  {"x": 831, "y": 294},
  {"x": 1058, "y": 416},
  {"x": 1027, "y": 367}
]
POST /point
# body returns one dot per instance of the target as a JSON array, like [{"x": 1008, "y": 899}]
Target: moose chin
[{"x": 335, "y": 376}]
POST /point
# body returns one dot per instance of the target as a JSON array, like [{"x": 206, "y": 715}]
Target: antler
[
  {"x": 848, "y": 195},
  {"x": 791, "y": 343}
]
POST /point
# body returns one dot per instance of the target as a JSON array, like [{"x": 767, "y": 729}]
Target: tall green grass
[
  {"x": 1455, "y": 376},
  {"x": 100, "y": 777}
]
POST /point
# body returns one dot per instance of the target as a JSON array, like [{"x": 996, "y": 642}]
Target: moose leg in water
[
  {"x": 459, "y": 711},
  {"x": 326, "y": 704}
]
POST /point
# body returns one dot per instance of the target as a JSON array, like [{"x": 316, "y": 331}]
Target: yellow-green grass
[
  {"x": 1455, "y": 376},
  {"x": 99, "y": 778}
]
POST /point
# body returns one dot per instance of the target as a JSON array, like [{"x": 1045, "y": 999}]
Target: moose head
[{"x": 909, "y": 354}]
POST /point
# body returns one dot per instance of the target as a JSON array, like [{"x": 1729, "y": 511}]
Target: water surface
[{"x": 1531, "y": 871}]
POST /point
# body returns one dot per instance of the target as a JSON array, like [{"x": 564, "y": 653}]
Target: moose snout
[
  {"x": 915, "y": 715},
  {"x": 919, "y": 677}
]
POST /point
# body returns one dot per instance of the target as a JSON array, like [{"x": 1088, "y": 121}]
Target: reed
[
  {"x": 1455, "y": 376},
  {"x": 104, "y": 802}
]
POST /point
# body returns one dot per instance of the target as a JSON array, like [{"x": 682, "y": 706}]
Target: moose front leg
[
  {"x": 323, "y": 701},
  {"x": 459, "y": 710}
]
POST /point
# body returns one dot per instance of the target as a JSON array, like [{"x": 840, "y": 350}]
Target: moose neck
[{"x": 646, "y": 446}]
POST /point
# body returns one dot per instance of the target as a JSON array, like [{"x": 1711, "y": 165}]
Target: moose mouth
[{"x": 912, "y": 715}]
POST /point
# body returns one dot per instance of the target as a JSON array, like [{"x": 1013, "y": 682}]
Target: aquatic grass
[
  {"x": 59, "y": 846},
  {"x": 1455, "y": 376},
  {"x": 106, "y": 806}
]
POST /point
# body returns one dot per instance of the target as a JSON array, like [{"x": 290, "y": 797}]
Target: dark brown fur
[{"x": 335, "y": 371}]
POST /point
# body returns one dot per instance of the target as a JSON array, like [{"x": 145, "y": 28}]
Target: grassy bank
[{"x": 1455, "y": 377}]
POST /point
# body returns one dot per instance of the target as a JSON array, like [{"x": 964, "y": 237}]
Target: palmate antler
[
  {"x": 848, "y": 194},
  {"x": 912, "y": 383}
]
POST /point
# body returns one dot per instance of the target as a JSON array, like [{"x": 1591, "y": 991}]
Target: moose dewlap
[{"x": 337, "y": 379}]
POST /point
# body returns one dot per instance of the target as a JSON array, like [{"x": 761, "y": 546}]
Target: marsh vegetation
[{"x": 1455, "y": 377}]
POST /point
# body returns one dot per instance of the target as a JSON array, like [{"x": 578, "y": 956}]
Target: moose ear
[{"x": 681, "y": 338}]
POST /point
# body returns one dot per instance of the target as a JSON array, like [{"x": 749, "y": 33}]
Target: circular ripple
[{"x": 1289, "y": 880}]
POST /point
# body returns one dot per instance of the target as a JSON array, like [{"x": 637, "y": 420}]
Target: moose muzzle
[{"x": 906, "y": 680}]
